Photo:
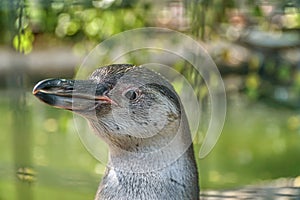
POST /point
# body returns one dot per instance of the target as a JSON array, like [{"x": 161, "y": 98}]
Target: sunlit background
[{"x": 255, "y": 44}]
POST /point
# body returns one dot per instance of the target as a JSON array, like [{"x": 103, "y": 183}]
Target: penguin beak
[{"x": 74, "y": 95}]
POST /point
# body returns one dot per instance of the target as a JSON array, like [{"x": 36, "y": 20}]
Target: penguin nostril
[{"x": 69, "y": 87}]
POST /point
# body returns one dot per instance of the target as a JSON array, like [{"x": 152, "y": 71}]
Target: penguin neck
[
  {"x": 152, "y": 155},
  {"x": 168, "y": 173}
]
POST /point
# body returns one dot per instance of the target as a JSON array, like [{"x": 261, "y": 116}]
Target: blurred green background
[{"x": 255, "y": 44}]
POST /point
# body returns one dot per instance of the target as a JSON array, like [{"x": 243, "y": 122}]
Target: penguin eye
[{"x": 131, "y": 95}]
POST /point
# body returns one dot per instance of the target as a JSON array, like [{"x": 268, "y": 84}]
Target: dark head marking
[{"x": 165, "y": 91}]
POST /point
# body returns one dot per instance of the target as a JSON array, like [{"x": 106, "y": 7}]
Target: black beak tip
[
  {"x": 46, "y": 98},
  {"x": 45, "y": 84}
]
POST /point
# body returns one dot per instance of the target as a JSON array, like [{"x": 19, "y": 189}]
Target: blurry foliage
[
  {"x": 262, "y": 44},
  {"x": 23, "y": 41},
  {"x": 92, "y": 21},
  {"x": 83, "y": 24}
]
